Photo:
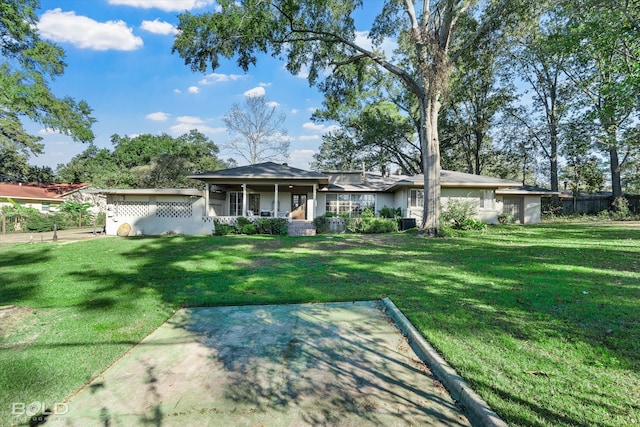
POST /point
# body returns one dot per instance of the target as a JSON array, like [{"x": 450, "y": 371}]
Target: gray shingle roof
[{"x": 267, "y": 170}]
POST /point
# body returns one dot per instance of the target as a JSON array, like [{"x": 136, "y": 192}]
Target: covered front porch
[
  {"x": 279, "y": 200},
  {"x": 262, "y": 190}
]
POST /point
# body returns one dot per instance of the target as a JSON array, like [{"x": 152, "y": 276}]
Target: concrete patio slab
[{"x": 338, "y": 364}]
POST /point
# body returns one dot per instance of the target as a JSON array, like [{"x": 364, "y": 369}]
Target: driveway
[
  {"x": 63, "y": 236},
  {"x": 337, "y": 364}
]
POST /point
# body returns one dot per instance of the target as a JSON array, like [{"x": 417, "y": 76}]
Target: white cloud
[
  {"x": 301, "y": 158},
  {"x": 177, "y": 91},
  {"x": 158, "y": 116},
  {"x": 219, "y": 78},
  {"x": 294, "y": 111},
  {"x": 86, "y": 33},
  {"x": 256, "y": 91},
  {"x": 193, "y": 120},
  {"x": 48, "y": 131},
  {"x": 184, "y": 124},
  {"x": 166, "y": 5},
  {"x": 316, "y": 127},
  {"x": 194, "y": 89},
  {"x": 272, "y": 104},
  {"x": 309, "y": 137},
  {"x": 159, "y": 27},
  {"x": 264, "y": 84},
  {"x": 312, "y": 110},
  {"x": 303, "y": 73}
]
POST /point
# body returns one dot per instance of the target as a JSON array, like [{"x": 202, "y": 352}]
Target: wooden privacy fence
[{"x": 595, "y": 204}]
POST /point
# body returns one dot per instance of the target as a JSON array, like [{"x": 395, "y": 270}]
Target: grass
[{"x": 542, "y": 321}]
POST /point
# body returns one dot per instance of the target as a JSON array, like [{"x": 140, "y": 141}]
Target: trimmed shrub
[
  {"x": 220, "y": 229},
  {"x": 249, "y": 228},
  {"x": 320, "y": 223},
  {"x": 371, "y": 225},
  {"x": 242, "y": 221},
  {"x": 274, "y": 226}
]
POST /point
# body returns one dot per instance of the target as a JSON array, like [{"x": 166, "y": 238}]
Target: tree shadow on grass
[
  {"x": 336, "y": 364},
  {"x": 16, "y": 279},
  {"x": 528, "y": 285}
]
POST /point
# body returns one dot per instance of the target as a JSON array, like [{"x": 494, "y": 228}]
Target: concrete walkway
[{"x": 338, "y": 364}]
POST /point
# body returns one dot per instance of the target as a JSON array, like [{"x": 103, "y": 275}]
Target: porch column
[
  {"x": 244, "y": 199},
  {"x": 275, "y": 202},
  {"x": 315, "y": 202},
  {"x": 206, "y": 199}
]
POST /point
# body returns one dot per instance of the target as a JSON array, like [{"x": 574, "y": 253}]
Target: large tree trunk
[
  {"x": 616, "y": 185},
  {"x": 430, "y": 108},
  {"x": 553, "y": 165}
]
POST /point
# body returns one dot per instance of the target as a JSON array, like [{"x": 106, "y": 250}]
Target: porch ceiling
[{"x": 261, "y": 187}]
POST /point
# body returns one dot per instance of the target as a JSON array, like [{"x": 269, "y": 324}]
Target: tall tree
[
  {"x": 28, "y": 65},
  {"x": 379, "y": 136},
  {"x": 257, "y": 130},
  {"x": 321, "y": 34},
  {"x": 604, "y": 38},
  {"x": 478, "y": 92},
  {"x": 540, "y": 59},
  {"x": 338, "y": 151}
]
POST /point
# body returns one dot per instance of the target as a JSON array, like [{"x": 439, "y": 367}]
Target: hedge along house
[{"x": 281, "y": 191}]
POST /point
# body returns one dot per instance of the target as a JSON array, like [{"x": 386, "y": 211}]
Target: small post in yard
[{"x": 55, "y": 230}]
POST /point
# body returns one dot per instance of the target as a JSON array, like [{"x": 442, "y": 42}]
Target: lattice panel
[
  {"x": 174, "y": 210},
  {"x": 132, "y": 209}
]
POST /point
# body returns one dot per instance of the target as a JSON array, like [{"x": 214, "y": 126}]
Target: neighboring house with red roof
[{"x": 42, "y": 197}]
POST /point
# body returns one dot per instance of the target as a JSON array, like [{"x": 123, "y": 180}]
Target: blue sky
[{"x": 119, "y": 60}]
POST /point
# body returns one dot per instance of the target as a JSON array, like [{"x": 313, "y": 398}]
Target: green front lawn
[{"x": 542, "y": 321}]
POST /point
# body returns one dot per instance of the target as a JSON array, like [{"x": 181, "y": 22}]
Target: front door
[{"x": 298, "y": 206}]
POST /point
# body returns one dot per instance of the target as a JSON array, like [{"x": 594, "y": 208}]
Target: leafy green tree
[
  {"x": 338, "y": 151},
  {"x": 97, "y": 166},
  {"x": 43, "y": 174},
  {"x": 583, "y": 171},
  {"x": 144, "y": 161},
  {"x": 258, "y": 131},
  {"x": 378, "y": 136},
  {"x": 604, "y": 40},
  {"x": 540, "y": 58},
  {"x": 13, "y": 165},
  {"x": 28, "y": 65},
  {"x": 478, "y": 93},
  {"x": 321, "y": 34}
]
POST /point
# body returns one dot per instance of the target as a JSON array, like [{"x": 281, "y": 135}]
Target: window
[
  {"x": 486, "y": 199},
  {"x": 235, "y": 203},
  {"x": 416, "y": 198},
  {"x": 46, "y": 207},
  {"x": 254, "y": 204},
  {"x": 349, "y": 204},
  {"x": 513, "y": 207}
]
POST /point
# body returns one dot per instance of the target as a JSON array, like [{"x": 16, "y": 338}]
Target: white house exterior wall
[
  {"x": 157, "y": 214},
  {"x": 532, "y": 210},
  {"x": 385, "y": 199}
]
